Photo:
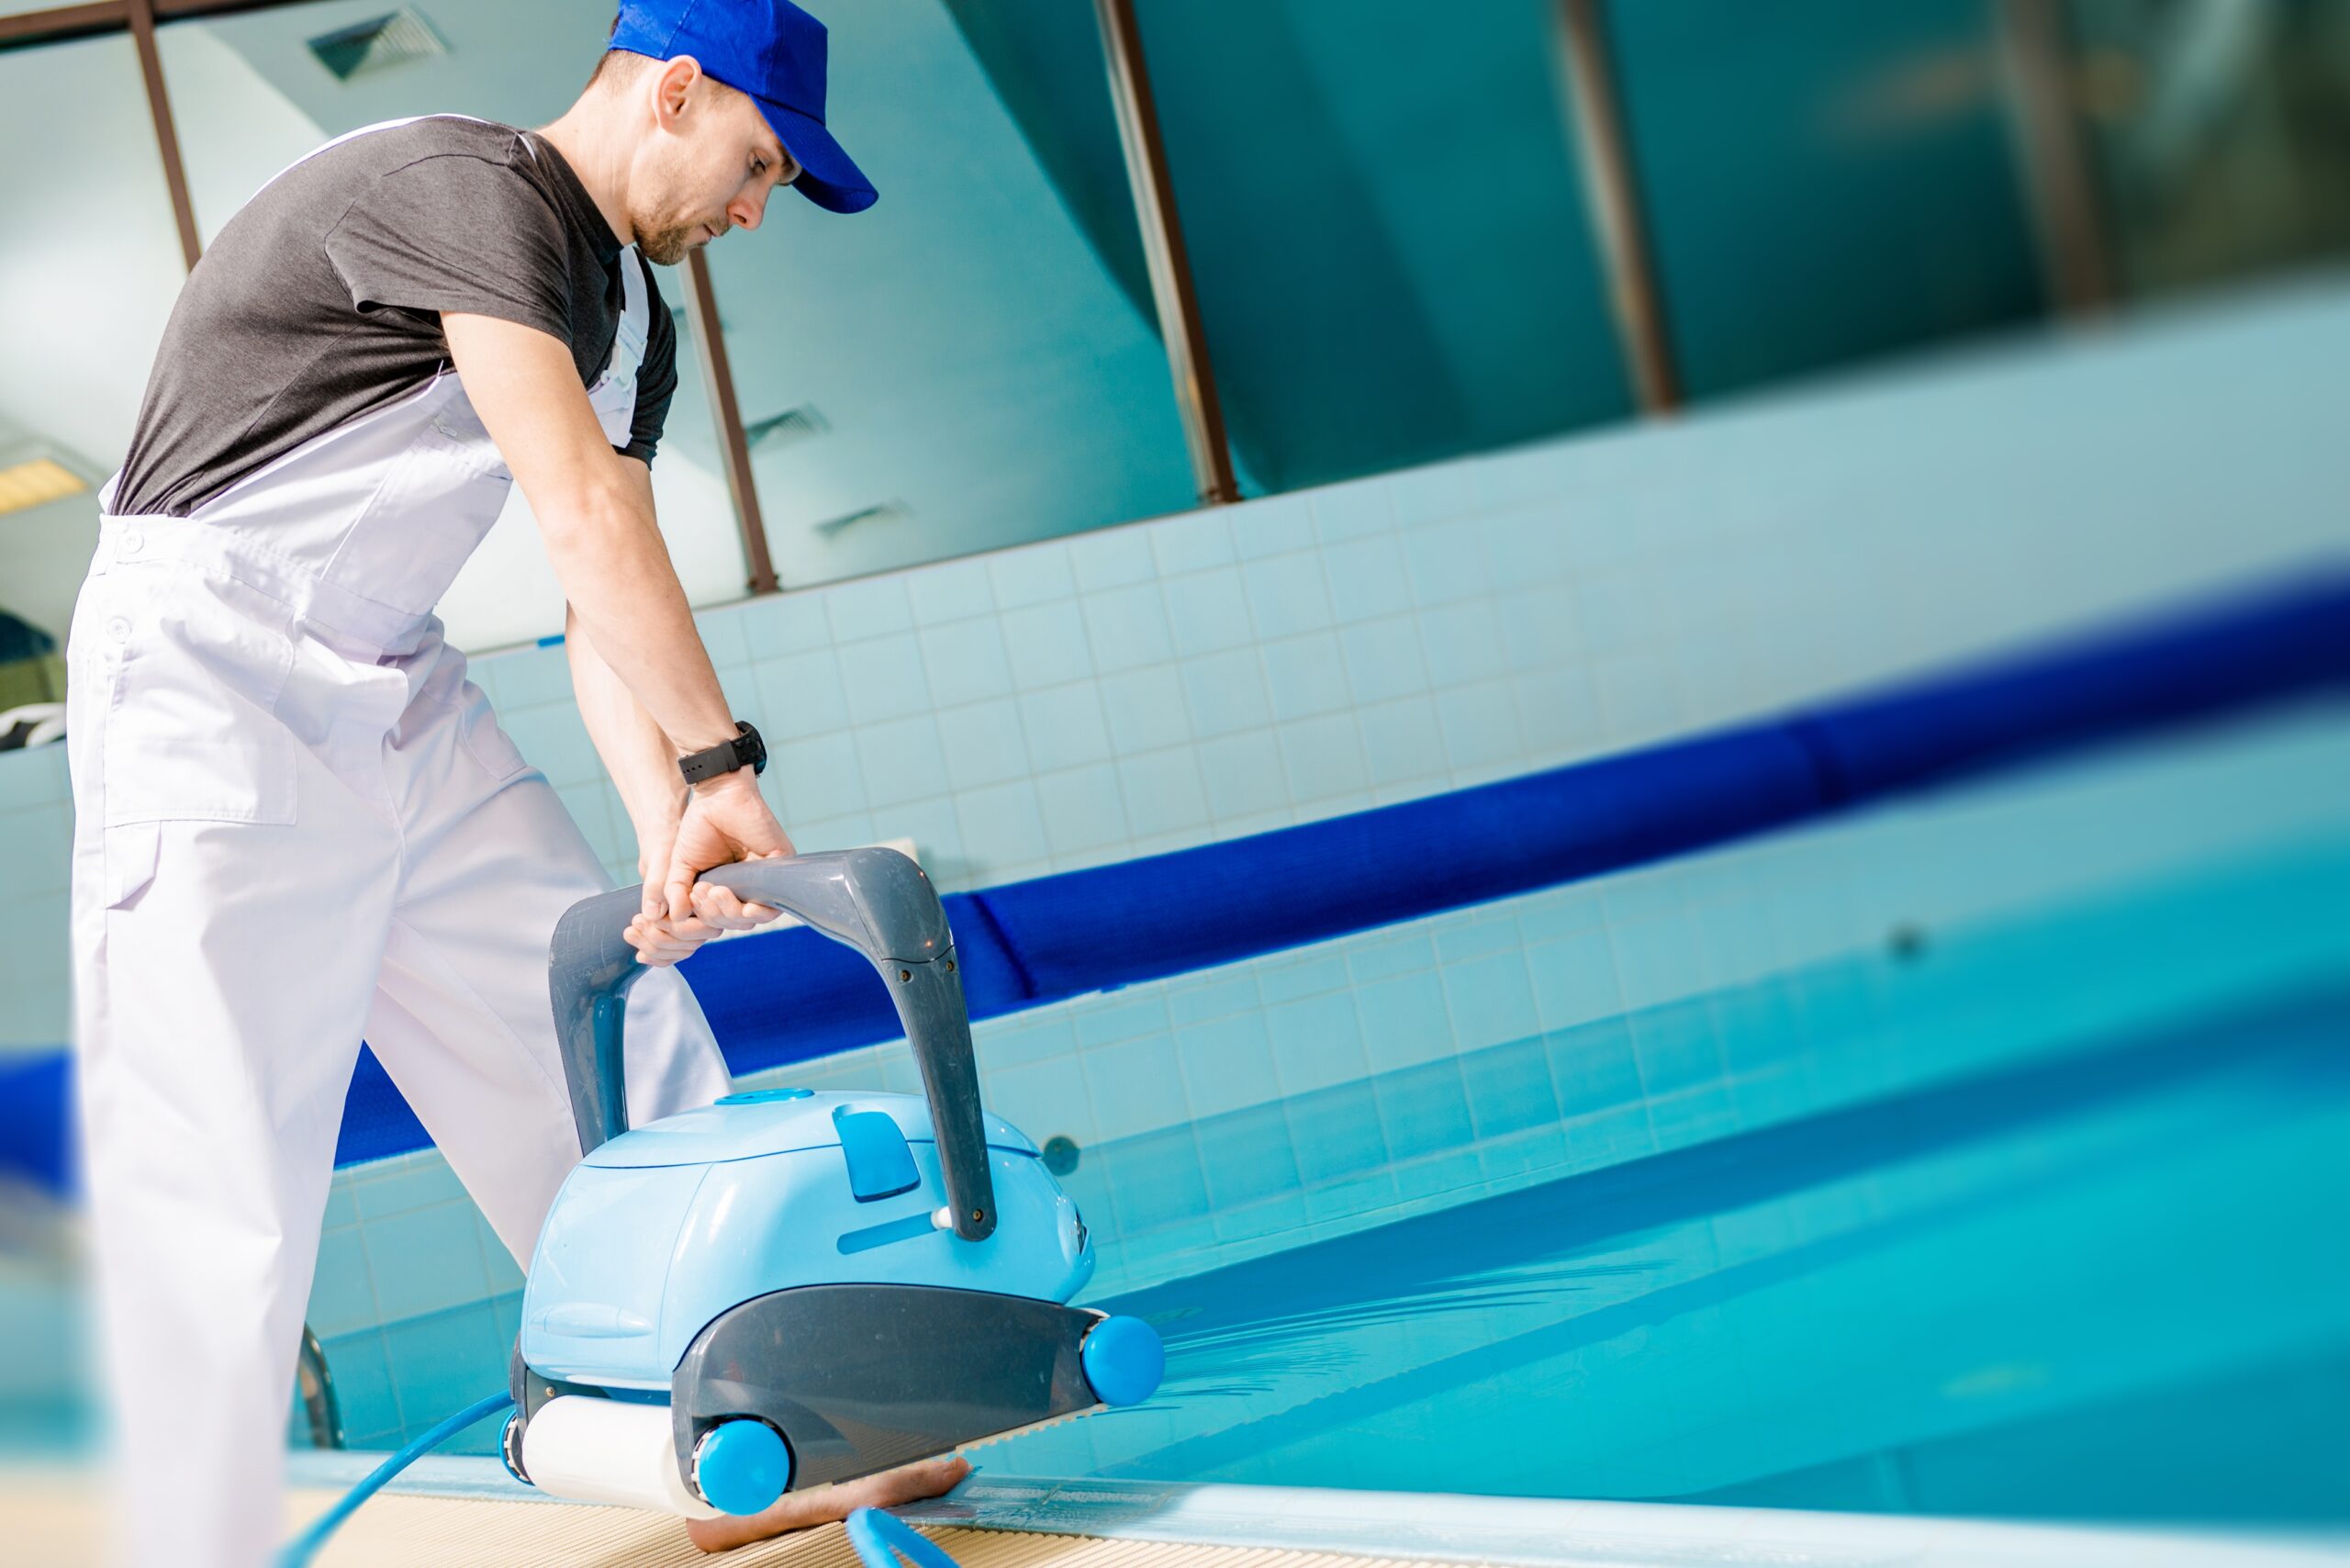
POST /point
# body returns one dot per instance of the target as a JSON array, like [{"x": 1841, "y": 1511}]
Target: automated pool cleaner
[{"x": 785, "y": 1288}]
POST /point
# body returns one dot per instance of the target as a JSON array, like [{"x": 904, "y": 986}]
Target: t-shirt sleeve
[
  {"x": 456, "y": 232},
  {"x": 656, "y": 378}
]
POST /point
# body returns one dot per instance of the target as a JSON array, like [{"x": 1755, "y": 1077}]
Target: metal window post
[
  {"x": 1171, "y": 266},
  {"x": 140, "y": 14},
  {"x": 1611, "y": 190},
  {"x": 63, "y": 23},
  {"x": 735, "y": 447},
  {"x": 2075, "y": 255}
]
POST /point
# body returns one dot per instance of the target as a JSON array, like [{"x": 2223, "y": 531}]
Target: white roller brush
[{"x": 606, "y": 1451}]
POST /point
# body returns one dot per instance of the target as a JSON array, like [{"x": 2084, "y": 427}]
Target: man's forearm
[
  {"x": 636, "y": 752},
  {"x": 617, "y": 574}
]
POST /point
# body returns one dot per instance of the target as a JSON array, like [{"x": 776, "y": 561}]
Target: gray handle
[{"x": 875, "y": 901}]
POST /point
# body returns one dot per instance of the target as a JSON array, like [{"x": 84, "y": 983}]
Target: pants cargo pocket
[
  {"x": 129, "y": 853},
  {"x": 195, "y": 664},
  {"x": 478, "y": 729}
]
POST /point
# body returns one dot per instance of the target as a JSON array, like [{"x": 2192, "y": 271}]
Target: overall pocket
[
  {"x": 438, "y": 500},
  {"x": 194, "y": 665},
  {"x": 446, "y": 701}
]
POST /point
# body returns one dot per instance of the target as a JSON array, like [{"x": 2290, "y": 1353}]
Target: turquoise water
[{"x": 2106, "y": 1276}]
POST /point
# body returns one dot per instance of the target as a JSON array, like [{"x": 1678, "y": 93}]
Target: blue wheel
[
  {"x": 742, "y": 1466},
  {"x": 1124, "y": 1360}
]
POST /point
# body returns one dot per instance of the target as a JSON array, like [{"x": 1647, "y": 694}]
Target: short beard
[{"x": 668, "y": 247}]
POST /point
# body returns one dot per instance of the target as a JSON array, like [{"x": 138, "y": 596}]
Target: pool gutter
[{"x": 1519, "y": 1532}]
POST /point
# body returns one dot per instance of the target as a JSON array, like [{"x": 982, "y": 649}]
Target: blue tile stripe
[{"x": 1029, "y": 942}]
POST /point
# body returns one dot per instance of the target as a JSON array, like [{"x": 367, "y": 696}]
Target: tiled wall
[
  {"x": 410, "y": 1277},
  {"x": 36, "y": 840},
  {"x": 1223, "y": 672}
]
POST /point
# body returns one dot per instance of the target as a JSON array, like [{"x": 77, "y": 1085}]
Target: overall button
[
  {"x": 119, "y": 629},
  {"x": 132, "y": 542}
]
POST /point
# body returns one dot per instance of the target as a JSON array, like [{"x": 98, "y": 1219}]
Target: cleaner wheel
[
  {"x": 1124, "y": 1360},
  {"x": 742, "y": 1466},
  {"x": 509, "y": 1447}
]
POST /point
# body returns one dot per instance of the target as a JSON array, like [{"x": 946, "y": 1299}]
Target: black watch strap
[{"x": 745, "y": 750}]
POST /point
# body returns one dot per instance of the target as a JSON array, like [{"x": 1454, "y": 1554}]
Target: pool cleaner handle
[{"x": 876, "y": 901}]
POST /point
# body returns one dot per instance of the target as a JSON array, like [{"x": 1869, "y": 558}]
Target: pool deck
[{"x": 465, "y": 1513}]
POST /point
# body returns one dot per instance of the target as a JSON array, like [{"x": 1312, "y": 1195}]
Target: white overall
[{"x": 297, "y": 823}]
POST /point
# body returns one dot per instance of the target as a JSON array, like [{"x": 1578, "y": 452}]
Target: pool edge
[{"x": 1510, "y": 1532}]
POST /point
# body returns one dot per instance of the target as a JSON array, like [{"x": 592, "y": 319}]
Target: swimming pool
[
  {"x": 2024, "y": 1206},
  {"x": 2108, "y": 1280}
]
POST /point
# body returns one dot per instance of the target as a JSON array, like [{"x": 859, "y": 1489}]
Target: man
[{"x": 296, "y": 822}]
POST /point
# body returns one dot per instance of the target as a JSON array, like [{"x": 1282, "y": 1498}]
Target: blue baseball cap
[{"x": 772, "y": 51}]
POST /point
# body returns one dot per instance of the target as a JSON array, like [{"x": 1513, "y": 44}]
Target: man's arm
[
  {"x": 637, "y": 637},
  {"x": 635, "y": 751},
  {"x": 639, "y": 758},
  {"x": 596, "y": 519}
]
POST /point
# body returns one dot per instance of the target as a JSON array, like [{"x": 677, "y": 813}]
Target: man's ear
[{"x": 673, "y": 88}]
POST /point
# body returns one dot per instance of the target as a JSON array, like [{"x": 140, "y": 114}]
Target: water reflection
[{"x": 1913, "y": 1305}]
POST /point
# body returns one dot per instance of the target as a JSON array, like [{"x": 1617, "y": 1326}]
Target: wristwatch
[{"x": 745, "y": 750}]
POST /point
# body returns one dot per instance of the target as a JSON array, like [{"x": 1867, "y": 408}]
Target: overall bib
[{"x": 297, "y": 824}]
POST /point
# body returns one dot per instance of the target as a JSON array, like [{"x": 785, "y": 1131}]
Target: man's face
[{"x": 710, "y": 170}]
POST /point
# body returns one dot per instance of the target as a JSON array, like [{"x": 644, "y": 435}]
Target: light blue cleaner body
[{"x": 658, "y": 1231}]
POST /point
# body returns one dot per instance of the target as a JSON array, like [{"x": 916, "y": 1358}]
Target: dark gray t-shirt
[{"x": 321, "y": 299}]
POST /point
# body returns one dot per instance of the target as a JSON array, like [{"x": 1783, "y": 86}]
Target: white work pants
[{"x": 286, "y": 838}]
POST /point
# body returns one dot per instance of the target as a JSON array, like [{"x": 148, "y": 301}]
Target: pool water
[
  {"x": 2109, "y": 1281},
  {"x": 2035, "y": 1208}
]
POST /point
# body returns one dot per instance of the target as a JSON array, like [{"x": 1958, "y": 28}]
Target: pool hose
[
  {"x": 871, "y": 1532},
  {"x": 298, "y": 1552}
]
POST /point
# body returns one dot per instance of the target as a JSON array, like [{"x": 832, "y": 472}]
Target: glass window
[
  {"x": 1386, "y": 228},
  {"x": 974, "y": 361},
  {"x": 252, "y": 93},
  {"x": 2219, "y": 133},
  {"x": 89, "y": 266},
  {"x": 1824, "y": 182}
]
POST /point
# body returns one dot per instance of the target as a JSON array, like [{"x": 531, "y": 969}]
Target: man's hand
[
  {"x": 656, "y": 938},
  {"x": 725, "y": 820},
  {"x": 660, "y": 938}
]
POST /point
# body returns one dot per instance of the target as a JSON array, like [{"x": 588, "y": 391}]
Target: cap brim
[{"x": 827, "y": 177}]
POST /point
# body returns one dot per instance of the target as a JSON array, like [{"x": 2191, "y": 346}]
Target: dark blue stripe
[
  {"x": 2224, "y": 655},
  {"x": 36, "y": 1143},
  {"x": 1140, "y": 919},
  {"x": 795, "y": 996}
]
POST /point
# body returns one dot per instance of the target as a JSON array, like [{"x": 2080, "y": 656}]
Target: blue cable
[
  {"x": 873, "y": 1533},
  {"x": 302, "y": 1547}
]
